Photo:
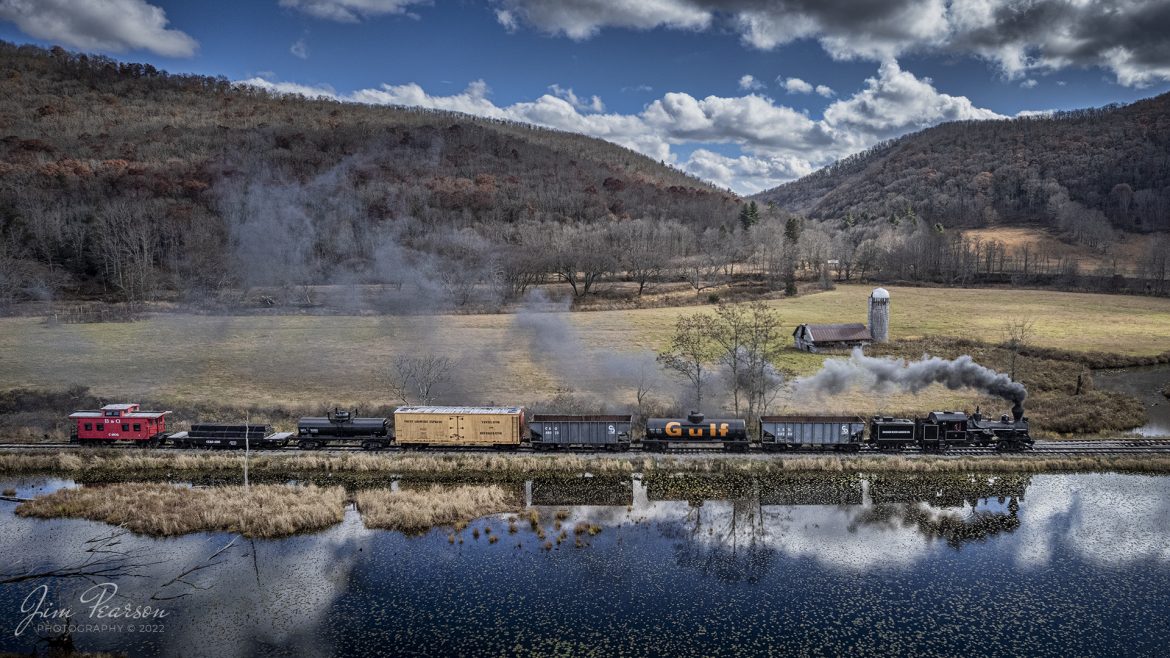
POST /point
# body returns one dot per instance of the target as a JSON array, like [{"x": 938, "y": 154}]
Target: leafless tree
[
  {"x": 420, "y": 379},
  {"x": 1016, "y": 333},
  {"x": 691, "y": 353},
  {"x": 749, "y": 339}
]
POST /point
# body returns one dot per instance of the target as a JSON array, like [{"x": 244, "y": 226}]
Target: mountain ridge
[{"x": 1076, "y": 169}]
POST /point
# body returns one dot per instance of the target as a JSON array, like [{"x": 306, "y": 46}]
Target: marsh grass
[
  {"x": 113, "y": 465},
  {"x": 165, "y": 510},
  {"x": 419, "y": 510}
]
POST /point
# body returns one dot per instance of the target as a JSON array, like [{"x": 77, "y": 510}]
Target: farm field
[
  {"x": 1127, "y": 251},
  {"x": 323, "y": 360}
]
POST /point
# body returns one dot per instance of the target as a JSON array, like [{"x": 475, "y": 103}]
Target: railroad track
[{"x": 1086, "y": 447}]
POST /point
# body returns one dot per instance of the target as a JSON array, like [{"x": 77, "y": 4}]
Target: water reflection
[{"x": 673, "y": 553}]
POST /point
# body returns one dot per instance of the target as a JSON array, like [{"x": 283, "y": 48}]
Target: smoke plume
[
  {"x": 558, "y": 347},
  {"x": 889, "y": 374}
]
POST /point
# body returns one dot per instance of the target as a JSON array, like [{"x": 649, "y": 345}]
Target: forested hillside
[
  {"x": 1082, "y": 172},
  {"x": 123, "y": 182}
]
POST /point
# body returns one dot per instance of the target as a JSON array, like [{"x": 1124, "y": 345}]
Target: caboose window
[
  {"x": 112, "y": 414},
  {"x": 125, "y": 427},
  {"x": 101, "y": 427},
  {"x": 137, "y": 427},
  {"x": 89, "y": 427}
]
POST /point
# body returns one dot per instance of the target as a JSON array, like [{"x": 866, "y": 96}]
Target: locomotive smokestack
[{"x": 1018, "y": 410}]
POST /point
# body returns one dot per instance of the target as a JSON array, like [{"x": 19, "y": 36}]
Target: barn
[{"x": 817, "y": 337}]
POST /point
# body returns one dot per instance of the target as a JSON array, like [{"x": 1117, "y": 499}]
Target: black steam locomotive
[{"x": 944, "y": 429}]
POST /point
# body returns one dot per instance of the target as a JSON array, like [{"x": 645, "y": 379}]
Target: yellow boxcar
[{"x": 459, "y": 426}]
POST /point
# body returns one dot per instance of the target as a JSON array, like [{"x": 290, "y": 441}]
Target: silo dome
[{"x": 880, "y": 293}]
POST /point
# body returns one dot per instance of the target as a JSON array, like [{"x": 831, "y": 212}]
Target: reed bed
[
  {"x": 419, "y": 510},
  {"x": 99, "y": 464},
  {"x": 164, "y": 510}
]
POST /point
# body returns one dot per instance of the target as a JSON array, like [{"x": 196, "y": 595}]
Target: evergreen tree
[
  {"x": 792, "y": 230},
  {"x": 749, "y": 215}
]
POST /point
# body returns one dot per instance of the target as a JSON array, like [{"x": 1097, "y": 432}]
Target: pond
[
  {"x": 1145, "y": 384},
  {"x": 1049, "y": 564}
]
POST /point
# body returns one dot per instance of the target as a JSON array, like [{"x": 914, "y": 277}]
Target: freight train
[{"x": 508, "y": 428}]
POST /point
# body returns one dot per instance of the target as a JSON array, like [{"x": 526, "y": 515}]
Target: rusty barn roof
[{"x": 831, "y": 333}]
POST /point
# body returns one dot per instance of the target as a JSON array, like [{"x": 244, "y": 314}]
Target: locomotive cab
[{"x": 942, "y": 429}]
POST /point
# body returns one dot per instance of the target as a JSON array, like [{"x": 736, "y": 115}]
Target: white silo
[{"x": 879, "y": 315}]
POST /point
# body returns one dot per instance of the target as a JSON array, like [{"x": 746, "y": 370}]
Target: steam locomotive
[
  {"x": 507, "y": 428},
  {"x": 941, "y": 430}
]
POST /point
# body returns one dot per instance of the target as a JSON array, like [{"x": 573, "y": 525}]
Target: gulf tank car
[{"x": 696, "y": 431}]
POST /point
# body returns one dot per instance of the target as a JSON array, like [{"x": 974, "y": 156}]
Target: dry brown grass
[
  {"x": 512, "y": 467},
  {"x": 122, "y": 461},
  {"x": 1129, "y": 250},
  {"x": 167, "y": 510},
  {"x": 419, "y": 510}
]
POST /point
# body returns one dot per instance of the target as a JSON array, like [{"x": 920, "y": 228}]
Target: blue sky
[{"x": 668, "y": 75}]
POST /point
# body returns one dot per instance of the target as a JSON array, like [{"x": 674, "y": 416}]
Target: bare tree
[
  {"x": 690, "y": 353},
  {"x": 420, "y": 378},
  {"x": 646, "y": 250},
  {"x": 1016, "y": 333},
  {"x": 749, "y": 339}
]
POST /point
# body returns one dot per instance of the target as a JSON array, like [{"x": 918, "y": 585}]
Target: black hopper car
[
  {"x": 599, "y": 432},
  {"x": 342, "y": 427}
]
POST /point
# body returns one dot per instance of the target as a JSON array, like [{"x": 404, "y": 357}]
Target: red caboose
[{"x": 118, "y": 422}]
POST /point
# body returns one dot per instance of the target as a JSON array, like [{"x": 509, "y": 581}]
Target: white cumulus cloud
[
  {"x": 594, "y": 103},
  {"x": 797, "y": 86},
  {"x": 1126, "y": 37},
  {"x": 350, "y": 11},
  {"x": 748, "y": 82},
  {"x": 581, "y": 19},
  {"x": 109, "y": 25}
]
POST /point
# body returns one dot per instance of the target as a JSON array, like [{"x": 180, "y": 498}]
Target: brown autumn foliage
[{"x": 126, "y": 182}]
